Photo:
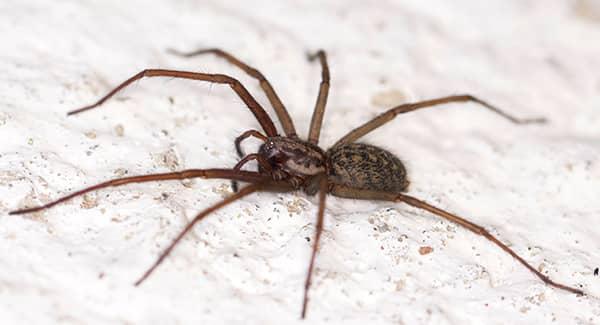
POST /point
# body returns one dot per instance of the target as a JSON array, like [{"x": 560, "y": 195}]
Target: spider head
[{"x": 293, "y": 158}]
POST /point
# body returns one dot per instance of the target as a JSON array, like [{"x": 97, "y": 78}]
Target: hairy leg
[
  {"x": 261, "y": 162},
  {"x": 244, "y": 136},
  {"x": 280, "y": 110},
  {"x": 318, "y": 231},
  {"x": 240, "y": 152},
  {"x": 243, "y": 192},
  {"x": 244, "y": 176},
  {"x": 344, "y": 191},
  {"x": 317, "y": 118},
  {"x": 260, "y": 114},
  {"x": 405, "y": 108}
]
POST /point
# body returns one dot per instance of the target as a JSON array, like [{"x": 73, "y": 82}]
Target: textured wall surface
[{"x": 536, "y": 187}]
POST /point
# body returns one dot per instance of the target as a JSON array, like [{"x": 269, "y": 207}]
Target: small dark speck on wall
[{"x": 596, "y": 272}]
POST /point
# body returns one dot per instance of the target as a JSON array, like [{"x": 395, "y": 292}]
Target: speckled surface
[{"x": 535, "y": 187}]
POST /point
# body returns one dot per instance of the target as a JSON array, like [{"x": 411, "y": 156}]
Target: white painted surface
[{"x": 536, "y": 187}]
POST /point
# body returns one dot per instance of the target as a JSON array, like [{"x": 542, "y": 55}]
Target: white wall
[{"x": 535, "y": 187}]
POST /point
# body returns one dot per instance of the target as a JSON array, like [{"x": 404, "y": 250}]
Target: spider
[{"x": 287, "y": 162}]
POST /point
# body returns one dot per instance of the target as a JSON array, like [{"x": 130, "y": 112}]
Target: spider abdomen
[{"x": 366, "y": 167}]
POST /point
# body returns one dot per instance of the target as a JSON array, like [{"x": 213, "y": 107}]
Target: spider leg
[
  {"x": 260, "y": 114},
  {"x": 344, "y": 191},
  {"x": 482, "y": 232},
  {"x": 244, "y": 136},
  {"x": 315, "y": 248},
  {"x": 405, "y": 108},
  {"x": 280, "y": 110},
  {"x": 317, "y": 118},
  {"x": 261, "y": 162},
  {"x": 240, "y": 152},
  {"x": 244, "y": 176},
  {"x": 243, "y": 192}
]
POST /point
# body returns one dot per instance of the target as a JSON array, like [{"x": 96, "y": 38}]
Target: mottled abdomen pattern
[{"x": 366, "y": 167}]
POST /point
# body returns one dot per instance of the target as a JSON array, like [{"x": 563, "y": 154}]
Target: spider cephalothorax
[
  {"x": 285, "y": 163},
  {"x": 293, "y": 160}
]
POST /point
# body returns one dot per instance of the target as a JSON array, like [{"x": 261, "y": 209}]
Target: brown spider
[{"x": 348, "y": 169}]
